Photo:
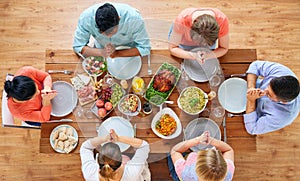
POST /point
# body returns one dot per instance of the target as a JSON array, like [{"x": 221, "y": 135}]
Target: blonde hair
[
  {"x": 210, "y": 165},
  {"x": 109, "y": 160},
  {"x": 205, "y": 30}
]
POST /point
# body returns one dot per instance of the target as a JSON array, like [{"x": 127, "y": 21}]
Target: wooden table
[{"x": 236, "y": 61}]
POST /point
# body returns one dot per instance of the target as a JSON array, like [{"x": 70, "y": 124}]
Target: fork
[
  {"x": 149, "y": 68},
  {"x": 234, "y": 115},
  {"x": 67, "y": 72}
]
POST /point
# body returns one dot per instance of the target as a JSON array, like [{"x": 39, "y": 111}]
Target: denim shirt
[
  {"x": 269, "y": 115},
  {"x": 131, "y": 30}
]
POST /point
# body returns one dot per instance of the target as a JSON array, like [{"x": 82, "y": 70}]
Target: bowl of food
[
  {"x": 63, "y": 138},
  {"x": 162, "y": 83},
  {"x": 192, "y": 100},
  {"x": 166, "y": 124},
  {"x": 94, "y": 66},
  {"x": 130, "y": 105}
]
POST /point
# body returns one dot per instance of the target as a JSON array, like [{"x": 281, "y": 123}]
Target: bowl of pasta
[
  {"x": 192, "y": 100},
  {"x": 166, "y": 124}
]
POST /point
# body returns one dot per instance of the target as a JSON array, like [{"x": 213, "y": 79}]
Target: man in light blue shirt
[
  {"x": 275, "y": 102},
  {"x": 111, "y": 25}
]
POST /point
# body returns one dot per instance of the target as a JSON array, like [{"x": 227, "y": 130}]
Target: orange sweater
[{"x": 32, "y": 110}]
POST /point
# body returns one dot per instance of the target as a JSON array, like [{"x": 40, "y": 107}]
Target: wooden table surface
[{"x": 236, "y": 61}]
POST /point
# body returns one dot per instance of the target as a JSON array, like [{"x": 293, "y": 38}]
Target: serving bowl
[
  {"x": 192, "y": 100},
  {"x": 130, "y": 105},
  {"x": 157, "y": 118},
  {"x": 94, "y": 66}
]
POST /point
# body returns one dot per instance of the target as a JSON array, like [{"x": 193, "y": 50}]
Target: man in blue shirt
[
  {"x": 111, "y": 25},
  {"x": 275, "y": 102}
]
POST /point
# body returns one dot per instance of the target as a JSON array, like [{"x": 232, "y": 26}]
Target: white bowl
[
  {"x": 182, "y": 107},
  {"x": 128, "y": 112},
  {"x": 172, "y": 114},
  {"x": 85, "y": 65}
]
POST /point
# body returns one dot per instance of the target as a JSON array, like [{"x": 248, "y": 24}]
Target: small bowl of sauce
[{"x": 147, "y": 108}]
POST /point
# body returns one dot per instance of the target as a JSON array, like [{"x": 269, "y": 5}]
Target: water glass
[{"x": 219, "y": 111}]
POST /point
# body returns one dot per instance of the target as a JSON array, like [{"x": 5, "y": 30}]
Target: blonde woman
[
  {"x": 110, "y": 164},
  {"x": 214, "y": 164}
]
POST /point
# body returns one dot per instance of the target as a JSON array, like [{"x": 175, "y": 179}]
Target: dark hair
[
  {"x": 109, "y": 159},
  {"x": 205, "y": 30},
  {"x": 21, "y": 88},
  {"x": 106, "y": 18},
  {"x": 286, "y": 88}
]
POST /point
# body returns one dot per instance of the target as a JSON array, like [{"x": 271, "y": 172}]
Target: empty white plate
[
  {"x": 199, "y": 125},
  {"x": 65, "y": 100},
  {"x": 124, "y": 68},
  {"x": 232, "y": 95},
  {"x": 121, "y": 126}
]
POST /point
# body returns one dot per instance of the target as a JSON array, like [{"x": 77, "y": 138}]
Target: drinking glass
[{"x": 219, "y": 111}]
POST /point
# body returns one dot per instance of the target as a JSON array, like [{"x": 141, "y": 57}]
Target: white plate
[
  {"x": 171, "y": 113},
  {"x": 232, "y": 95},
  {"x": 197, "y": 126},
  {"x": 65, "y": 100},
  {"x": 124, "y": 68},
  {"x": 121, "y": 126},
  {"x": 75, "y": 135},
  {"x": 201, "y": 73},
  {"x": 181, "y": 94},
  {"x": 127, "y": 112}
]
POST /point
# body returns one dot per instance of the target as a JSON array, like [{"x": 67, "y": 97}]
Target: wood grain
[{"x": 29, "y": 27}]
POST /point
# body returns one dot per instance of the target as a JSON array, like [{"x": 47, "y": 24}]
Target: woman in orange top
[
  {"x": 199, "y": 27},
  {"x": 29, "y": 94}
]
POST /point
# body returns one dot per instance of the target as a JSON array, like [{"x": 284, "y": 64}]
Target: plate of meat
[{"x": 162, "y": 84}]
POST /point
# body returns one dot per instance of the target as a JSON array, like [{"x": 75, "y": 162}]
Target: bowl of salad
[
  {"x": 130, "y": 105},
  {"x": 94, "y": 66}
]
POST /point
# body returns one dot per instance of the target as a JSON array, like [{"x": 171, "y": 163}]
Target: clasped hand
[
  {"x": 204, "y": 138},
  {"x": 200, "y": 56},
  {"x": 112, "y": 136},
  {"x": 255, "y": 93},
  {"x": 109, "y": 49}
]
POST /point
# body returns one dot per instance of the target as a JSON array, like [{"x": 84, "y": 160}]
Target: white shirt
[{"x": 134, "y": 169}]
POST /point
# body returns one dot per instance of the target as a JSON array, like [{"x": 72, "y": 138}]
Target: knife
[{"x": 224, "y": 129}]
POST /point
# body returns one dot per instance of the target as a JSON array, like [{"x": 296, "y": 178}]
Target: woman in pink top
[
  {"x": 199, "y": 27},
  {"x": 29, "y": 94},
  {"x": 211, "y": 164}
]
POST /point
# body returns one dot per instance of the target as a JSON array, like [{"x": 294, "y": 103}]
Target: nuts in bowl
[
  {"x": 130, "y": 105},
  {"x": 192, "y": 100},
  {"x": 94, "y": 66}
]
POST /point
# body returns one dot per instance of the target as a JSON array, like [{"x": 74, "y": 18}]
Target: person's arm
[
  {"x": 125, "y": 53},
  {"x": 226, "y": 149},
  {"x": 223, "y": 46},
  {"x": 134, "y": 142},
  {"x": 178, "y": 149}
]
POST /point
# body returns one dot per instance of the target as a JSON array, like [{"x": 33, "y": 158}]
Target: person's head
[
  {"x": 205, "y": 30},
  {"x": 109, "y": 159},
  {"x": 284, "y": 89},
  {"x": 210, "y": 165},
  {"x": 107, "y": 19},
  {"x": 22, "y": 88}
]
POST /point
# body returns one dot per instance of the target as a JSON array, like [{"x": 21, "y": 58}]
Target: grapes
[{"x": 106, "y": 93}]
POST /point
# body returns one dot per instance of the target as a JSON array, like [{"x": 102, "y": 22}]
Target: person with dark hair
[
  {"x": 212, "y": 164},
  {"x": 273, "y": 100},
  {"x": 29, "y": 94},
  {"x": 110, "y": 164},
  {"x": 111, "y": 25},
  {"x": 199, "y": 27}
]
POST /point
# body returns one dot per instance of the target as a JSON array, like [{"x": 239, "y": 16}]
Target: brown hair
[
  {"x": 210, "y": 165},
  {"x": 205, "y": 30},
  {"x": 109, "y": 159}
]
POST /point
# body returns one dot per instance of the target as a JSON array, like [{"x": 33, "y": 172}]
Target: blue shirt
[
  {"x": 131, "y": 30},
  {"x": 269, "y": 115}
]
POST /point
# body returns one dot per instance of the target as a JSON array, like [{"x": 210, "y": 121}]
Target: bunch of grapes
[{"x": 106, "y": 93}]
